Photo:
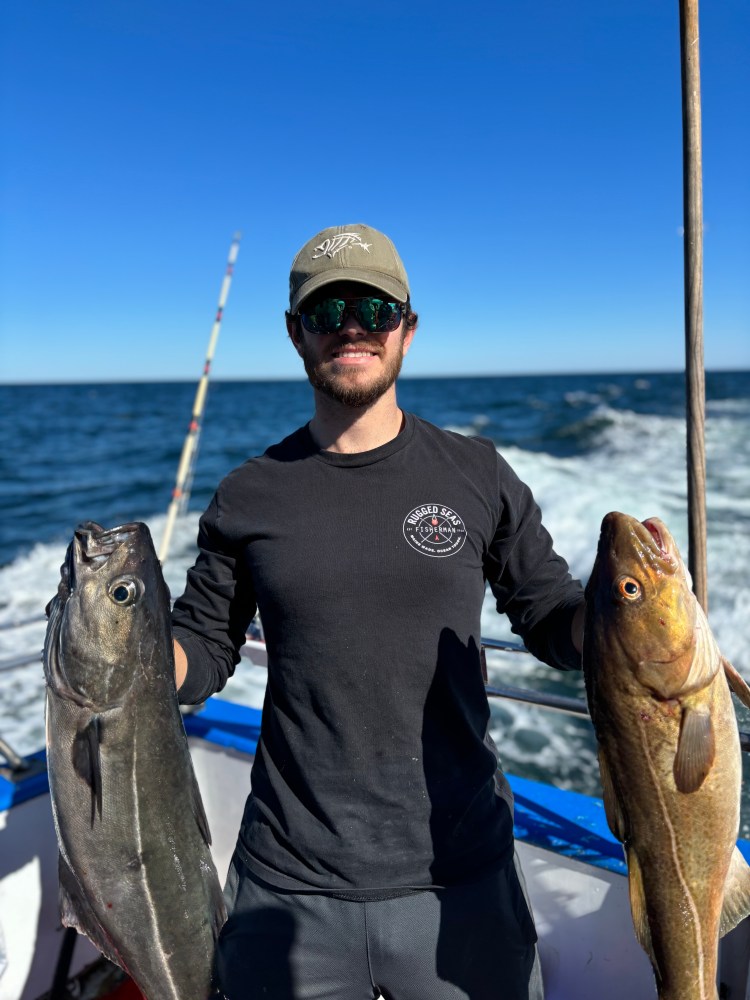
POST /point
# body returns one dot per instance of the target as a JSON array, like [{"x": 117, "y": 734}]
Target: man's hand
[{"x": 180, "y": 664}]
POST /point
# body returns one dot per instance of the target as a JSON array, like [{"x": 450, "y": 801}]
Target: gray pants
[{"x": 468, "y": 942}]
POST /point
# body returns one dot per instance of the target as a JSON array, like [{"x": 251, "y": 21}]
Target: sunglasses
[{"x": 373, "y": 315}]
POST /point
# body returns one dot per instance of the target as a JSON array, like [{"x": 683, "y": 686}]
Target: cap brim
[{"x": 374, "y": 279}]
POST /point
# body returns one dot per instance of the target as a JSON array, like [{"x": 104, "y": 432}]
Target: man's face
[{"x": 352, "y": 367}]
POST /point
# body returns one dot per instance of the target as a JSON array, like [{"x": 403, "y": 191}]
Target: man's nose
[{"x": 351, "y": 327}]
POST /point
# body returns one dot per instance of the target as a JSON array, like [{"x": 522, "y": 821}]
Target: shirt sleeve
[
  {"x": 211, "y": 617},
  {"x": 529, "y": 580}
]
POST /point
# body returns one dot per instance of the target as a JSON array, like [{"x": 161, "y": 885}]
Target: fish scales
[
  {"x": 136, "y": 872},
  {"x": 669, "y": 752}
]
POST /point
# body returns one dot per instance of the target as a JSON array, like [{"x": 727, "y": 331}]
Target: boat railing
[
  {"x": 553, "y": 702},
  {"x": 18, "y": 622}
]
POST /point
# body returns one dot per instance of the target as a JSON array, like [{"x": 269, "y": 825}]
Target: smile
[{"x": 347, "y": 354}]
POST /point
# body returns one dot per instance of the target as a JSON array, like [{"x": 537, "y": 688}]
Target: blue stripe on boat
[{"x": 565, "y": 822}]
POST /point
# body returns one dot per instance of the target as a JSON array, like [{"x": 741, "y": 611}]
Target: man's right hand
[{"x": 180, "y": 664}]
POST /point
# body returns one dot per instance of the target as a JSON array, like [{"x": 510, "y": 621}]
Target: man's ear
[
  {"x": 292, "y": 328},
  {"x": 408, "y": 337}
]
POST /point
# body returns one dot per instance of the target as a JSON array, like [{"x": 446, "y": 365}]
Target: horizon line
[{"x": 135, "y": 380}]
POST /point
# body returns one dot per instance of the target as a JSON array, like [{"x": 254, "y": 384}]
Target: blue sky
[{"x": 525, "y": 158}]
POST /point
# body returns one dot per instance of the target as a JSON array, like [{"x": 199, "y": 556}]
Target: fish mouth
[
  {"x": 651, "y": 539},
  {"x": 664, "y": 541},
  {"x": 93, "y": 545},
  {"x": 90, "y": 549}
]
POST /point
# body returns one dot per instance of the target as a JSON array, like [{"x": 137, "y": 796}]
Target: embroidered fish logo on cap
[{"x": 335, "y": 244}]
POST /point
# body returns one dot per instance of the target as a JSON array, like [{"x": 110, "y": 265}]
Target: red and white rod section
[{"x": 181, "y": 489}]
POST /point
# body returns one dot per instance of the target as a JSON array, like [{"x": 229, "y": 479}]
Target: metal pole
[
  {"x": 694, "y": 364},
  {"x": 180, "y": 492}
]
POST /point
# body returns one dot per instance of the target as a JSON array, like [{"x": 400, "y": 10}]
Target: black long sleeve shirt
[{"x": 374, "y": 770}]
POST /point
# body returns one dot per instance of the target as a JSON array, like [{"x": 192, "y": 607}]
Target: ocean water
[{"x": 586, "y": 444}]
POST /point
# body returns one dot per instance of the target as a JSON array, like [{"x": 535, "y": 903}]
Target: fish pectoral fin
[
  {"x": 75, "y": 911},
  {"x": 638, "y": 905},
  {"x": 612, "y": 809},
  {"x": 87, "y": 762},
  {"x": 736, "y": 682},
  {"x": 696, "y": 749},
  {"x": 736, "y": 893}
]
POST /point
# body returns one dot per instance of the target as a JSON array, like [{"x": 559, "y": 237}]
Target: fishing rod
[
  {"x": 693, "y": 259},
  {"x": 183, "y": 482}
]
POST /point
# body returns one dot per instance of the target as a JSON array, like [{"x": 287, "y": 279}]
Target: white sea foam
[{"x": 639, "y": 468}]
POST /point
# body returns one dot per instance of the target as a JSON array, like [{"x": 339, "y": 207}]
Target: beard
[{"x": 342, "y": 388}]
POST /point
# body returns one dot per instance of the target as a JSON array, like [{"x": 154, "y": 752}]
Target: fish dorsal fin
[
  {"x": 87, "y": 762},
  {"x": 218, "y": 911},
  {"x": 76, "y": 912},
  {"x": 696, "y": 748},
  {"x": 612, "y": 809},
  {"x": 638, "y": 906},
  {"x": 736, "y": 893},
  {"x": 736, "y": 682},
  {"x": 198, "y": 811},
  {"x": 218, "y": 903}
]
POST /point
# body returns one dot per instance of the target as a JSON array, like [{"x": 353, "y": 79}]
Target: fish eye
[
  {"x": 627, "y": 589},
  {"x": 123, "y": 592}
]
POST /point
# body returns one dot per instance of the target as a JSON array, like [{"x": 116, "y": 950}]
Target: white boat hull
[{"x": 587, "y": 945}]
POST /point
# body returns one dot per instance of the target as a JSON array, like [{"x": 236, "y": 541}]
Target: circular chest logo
[{"x": 434, "y": 530}]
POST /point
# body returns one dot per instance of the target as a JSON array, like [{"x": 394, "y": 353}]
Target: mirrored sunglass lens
[
  {"x": 325, "y": 316},
  {"x": 390, "y": 315},
  {"x": 375, "y": 315}
]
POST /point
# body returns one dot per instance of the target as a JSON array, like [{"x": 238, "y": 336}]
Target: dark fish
[
  {"x": 659, "y": 694},
  {"x": 136, "y": 873}
]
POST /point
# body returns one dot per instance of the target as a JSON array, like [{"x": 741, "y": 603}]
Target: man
[{"x": 375, "y": 855}]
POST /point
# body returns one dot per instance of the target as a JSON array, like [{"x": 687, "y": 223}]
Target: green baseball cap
[{"x": 347, "y": 253}]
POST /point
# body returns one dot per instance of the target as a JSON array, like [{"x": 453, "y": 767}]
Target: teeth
[{"x": 354, "y": 354}]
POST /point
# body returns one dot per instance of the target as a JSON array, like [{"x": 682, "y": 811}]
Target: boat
[{"x": 574, "y": 869}]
